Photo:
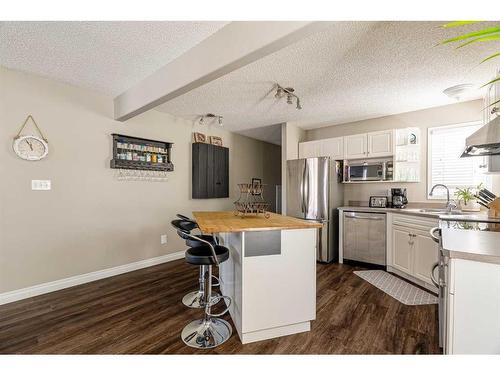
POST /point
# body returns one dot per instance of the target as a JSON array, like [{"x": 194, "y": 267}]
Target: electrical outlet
[
  {"x": 163, "y": 239},
  {"x": 40, "y": 185}
]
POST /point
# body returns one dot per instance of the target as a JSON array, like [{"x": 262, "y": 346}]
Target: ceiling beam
[{"x": 232, "y": 47}]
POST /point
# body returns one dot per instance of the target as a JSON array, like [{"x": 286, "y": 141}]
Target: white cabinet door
[
  {"x": 333, "y": 147},
  {"x": 355, "y": 146},
  {"x": 402, "y": 249},
  {"x": 425, "y": 255},
  {"x": 380, "y": 143},
  {"x": 311, "y": 149},
  {"x": 472, "y": 323}
]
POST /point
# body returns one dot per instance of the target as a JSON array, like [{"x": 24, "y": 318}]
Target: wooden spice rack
[{"x": 159, "y": 153}]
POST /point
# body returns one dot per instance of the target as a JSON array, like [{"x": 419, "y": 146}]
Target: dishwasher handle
[{"x": 355, "y": 215}]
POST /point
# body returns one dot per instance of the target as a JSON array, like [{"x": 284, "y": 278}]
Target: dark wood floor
[{"x": 141, "y": 312}]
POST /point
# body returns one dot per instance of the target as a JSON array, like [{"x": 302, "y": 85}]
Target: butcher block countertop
[{"x": 226, "y": 221}]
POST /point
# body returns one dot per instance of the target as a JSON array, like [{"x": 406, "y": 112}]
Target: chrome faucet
[{"x": 450, "y": 205}]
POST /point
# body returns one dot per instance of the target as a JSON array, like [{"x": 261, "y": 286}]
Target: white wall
[
  {"x": 89, "y": 220},
  {"x": 291, "y": 135},
  {"x": 423, "y": 119}
]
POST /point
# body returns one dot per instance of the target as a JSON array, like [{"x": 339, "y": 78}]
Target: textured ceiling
[
  {"x": 351, "y": 71},
  {"x": 269, "y": 134},
  {"x": 109, "y": 57}
]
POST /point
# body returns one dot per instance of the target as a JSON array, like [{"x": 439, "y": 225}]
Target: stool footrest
[
  {"x": 211, "y": 315},
  {"x": 218, "y": 281}
]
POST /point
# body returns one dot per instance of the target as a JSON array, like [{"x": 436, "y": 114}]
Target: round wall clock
[{"x": 30, "y": 147}]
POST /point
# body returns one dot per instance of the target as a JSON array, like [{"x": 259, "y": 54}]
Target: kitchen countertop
[
  {"x": 226, "y": 221},
  {"x": 469, "y": 217},
  {"x": 480, "y": 246},
  {"x": 457, "y": 242}
]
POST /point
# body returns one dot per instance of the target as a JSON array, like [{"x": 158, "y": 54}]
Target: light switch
[
  {"x": 40, "y": 185},
  {"x": 163, "y": 239}
]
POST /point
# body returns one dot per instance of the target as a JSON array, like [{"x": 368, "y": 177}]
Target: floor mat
[{"x": 397, "y": 288}]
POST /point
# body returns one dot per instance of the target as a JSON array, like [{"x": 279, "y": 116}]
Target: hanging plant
[{"x": 490, "y": 34}]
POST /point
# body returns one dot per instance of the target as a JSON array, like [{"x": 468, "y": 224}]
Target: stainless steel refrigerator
[{"x": 314, "y": 192}]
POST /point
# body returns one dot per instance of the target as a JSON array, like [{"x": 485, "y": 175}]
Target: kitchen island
[{"x": 270, "y": 275}]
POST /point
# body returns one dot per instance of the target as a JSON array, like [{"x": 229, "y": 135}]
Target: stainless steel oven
[{"x": 373, "y": 170}]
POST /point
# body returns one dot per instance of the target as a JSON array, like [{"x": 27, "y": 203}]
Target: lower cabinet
[
  {"x": 472, "y": 308},
  {"x": 425, "y": 256},
  {"x": 413, "y": 251},
  {"x": 402, "y": 244}
]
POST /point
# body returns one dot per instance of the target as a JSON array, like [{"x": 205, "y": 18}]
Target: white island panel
[{"x": 273, "y": 293}]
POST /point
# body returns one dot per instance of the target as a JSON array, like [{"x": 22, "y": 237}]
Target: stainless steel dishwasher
[{"x": 365, "y": 237}]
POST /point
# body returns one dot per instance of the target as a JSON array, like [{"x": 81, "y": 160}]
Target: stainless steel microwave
[{"x": 374, "y": 170}]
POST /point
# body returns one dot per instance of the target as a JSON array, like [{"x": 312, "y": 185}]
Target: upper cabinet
[
  {"x": 332, "y": 147},
  {"x": 311, "y": 149},
  {"x": 355, "y": 146},
  {"x": 368, "y": 145},
  {"x": 400, "y": 147},
  {"x": 210, "y": 171},
  {"x": 380, "y": 143}
]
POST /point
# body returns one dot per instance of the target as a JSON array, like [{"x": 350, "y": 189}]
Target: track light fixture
[
  {"x": 210, "y": 117},
  {"x": 289, "y": 93}
]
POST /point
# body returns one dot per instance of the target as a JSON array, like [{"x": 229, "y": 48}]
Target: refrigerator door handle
[
  {"x": 306, "y": 188},
  {"x": 303, "y": 190}
]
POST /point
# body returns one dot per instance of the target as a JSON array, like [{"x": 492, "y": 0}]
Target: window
[{"x": 445, "y": 166}]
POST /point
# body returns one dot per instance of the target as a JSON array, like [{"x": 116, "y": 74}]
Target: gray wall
[{"x": 89, "y": 220}]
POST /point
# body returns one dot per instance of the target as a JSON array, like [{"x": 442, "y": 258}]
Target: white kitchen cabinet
[
  {"x": 402, "y": 242},
  {"x": 311, "y": 149},
  {"x": 425, "y": 256},
  {"x": 380, "y": 143},
  {"x": 333, "y": 147},
  {"x": 355, "y": 146},
  {"x": 472, "y": 308},
  {"x": 372, "y": 145},
  {"x": 412, "y": 252}
]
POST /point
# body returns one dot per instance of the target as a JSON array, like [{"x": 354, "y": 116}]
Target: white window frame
[{"x": 429, "y": 158}]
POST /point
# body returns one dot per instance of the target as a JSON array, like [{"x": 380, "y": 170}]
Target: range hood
[{"x": 485, "y": 141}]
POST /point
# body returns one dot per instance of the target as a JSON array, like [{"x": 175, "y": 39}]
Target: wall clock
[{"x": 30, "y": 147}]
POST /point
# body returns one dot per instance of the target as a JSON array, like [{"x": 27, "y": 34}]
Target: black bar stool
[
  {"x": 211, "y": 331},
  {"x": 195, "y": 299}
]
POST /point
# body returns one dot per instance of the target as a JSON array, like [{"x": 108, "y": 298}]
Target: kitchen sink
[{"x": 441, "y": 211}]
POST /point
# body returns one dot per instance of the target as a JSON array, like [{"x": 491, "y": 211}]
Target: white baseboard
[{"x": 52, "y": 286}]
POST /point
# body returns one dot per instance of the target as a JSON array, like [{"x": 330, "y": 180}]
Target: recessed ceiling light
[{"x": 458, "y": 92}]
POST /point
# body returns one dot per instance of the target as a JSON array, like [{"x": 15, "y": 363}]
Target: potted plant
[{"x": 467, "y": 198}]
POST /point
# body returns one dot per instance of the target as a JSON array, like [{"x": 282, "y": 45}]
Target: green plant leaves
[
  {"x": 492, "y": 104},
  {"x": 490, "y": 82},
  {"x": 482, "y": 39},
  {"x": 458, "y": 23},
  {"x": 490, "y": 57},
  {"x": 484, "y": 35},
  {"x": 489, "y": 30}
]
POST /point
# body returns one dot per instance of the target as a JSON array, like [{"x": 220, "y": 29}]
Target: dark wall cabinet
[{"x": 210, "y": 171}]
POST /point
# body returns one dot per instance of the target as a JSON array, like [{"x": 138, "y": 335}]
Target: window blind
[{"x": 446, "y": 144}]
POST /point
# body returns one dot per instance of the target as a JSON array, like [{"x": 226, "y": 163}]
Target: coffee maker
[{"x": 399, "y": 199}]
